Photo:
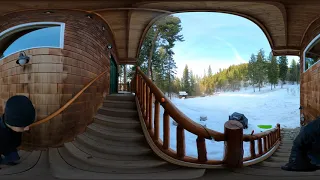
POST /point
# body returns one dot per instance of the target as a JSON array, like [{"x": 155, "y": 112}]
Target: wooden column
[{"x": 233, "y": 157}]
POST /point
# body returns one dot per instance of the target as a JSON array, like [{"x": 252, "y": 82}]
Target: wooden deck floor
[{"x": 37, "y": 165}]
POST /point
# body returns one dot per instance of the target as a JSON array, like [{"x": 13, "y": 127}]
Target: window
[
  {"x": 312, "y": 53},
  {"x": 31, "y": 35}
]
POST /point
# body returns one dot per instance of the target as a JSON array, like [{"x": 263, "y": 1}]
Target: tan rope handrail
[
  {"x": 179, "y": 116},
  {"x": 68, "y": 103}
]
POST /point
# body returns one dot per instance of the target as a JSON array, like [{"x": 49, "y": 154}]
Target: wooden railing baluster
[
  {"x": 181, "y": 149},
  {"x": 156, "y": 120},
  {"x": 265, "y": 144},
  {"x": 150, "y": 109},
  {"x": 166, "y": 130},
  {"x": 202, "y": 151},
  {"x": 147, "y": 107},
  {"x": 260, "y": 146},
  {"x": 252, "y": 149},
  {"x": 145, "y": 100}
]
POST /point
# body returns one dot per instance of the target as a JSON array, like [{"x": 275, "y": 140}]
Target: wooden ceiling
[{"x": 284, "y": 22}]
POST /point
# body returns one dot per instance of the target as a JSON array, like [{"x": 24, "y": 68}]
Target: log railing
[
  {"x": 150, "y": 98},
  {"x": 57, "y": 112}
]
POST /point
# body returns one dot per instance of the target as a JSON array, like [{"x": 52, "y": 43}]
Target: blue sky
[{"x": 217, "y": 39}]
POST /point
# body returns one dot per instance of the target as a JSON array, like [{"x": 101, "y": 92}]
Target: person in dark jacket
[
  {"x": 305, "y": 152},
  {"x": 19, "y": 113}
]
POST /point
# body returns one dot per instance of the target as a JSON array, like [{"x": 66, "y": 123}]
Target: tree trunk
[
  {"x": 271, "y": 86},
  {"x": 151, "y": 53}
]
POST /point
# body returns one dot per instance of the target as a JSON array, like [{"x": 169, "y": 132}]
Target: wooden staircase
[{"x": 114, "y": 147}]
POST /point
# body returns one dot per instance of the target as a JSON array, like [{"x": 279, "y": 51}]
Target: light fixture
[
  {"x": 109, "y": 46},
  {"x": 48, "y": 12},
  {"x": 89, "y": 16},
  {"x": 23, "y": 59},
  {"x": 103, "y": 28}
]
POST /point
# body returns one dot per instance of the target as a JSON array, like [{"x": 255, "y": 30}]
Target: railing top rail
[
  {"x": 249, "y": 137},
  {"x": 46, "y": 119},
  {"x": 179, "y": 116}
]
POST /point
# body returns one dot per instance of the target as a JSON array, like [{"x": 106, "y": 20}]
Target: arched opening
[
  {"x": 222, "y": 45},
  {"x": 31, "y": 35}
]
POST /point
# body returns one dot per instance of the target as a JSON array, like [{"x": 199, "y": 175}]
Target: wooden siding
[{"x": 54, "y": 75}]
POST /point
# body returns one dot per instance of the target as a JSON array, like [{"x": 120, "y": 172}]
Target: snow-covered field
[{"x": 265, "y": 107}]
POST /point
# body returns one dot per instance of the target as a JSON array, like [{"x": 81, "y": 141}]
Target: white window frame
[
  {"x": 17, "y": 28},
  {"x": 317, "y": 38}
]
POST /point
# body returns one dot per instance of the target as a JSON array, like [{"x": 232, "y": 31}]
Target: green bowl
[{"x": 265, "y": 126}]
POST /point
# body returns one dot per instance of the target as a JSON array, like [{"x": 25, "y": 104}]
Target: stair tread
[
  {"x": 113, "y": 147},
  {"x": 64, "y": 166},
  {"x": 89, "y": 150},
  {"x": 120, "y": 120},
  {"x": 119, "y": 110},
  {"x": 114, "y": 163},
  {"x": 28, "y": 160},
  {"x": 120, "y": 102},
  {"x": 115, "y": 131}
]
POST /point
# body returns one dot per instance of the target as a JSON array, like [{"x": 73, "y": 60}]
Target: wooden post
[
  {"x": 150, "y": 109},
  {"x": 181, "y": 149},
  {"x": 260, "y": 146},
  {"x": 202, "y": 151},
  {"x": 156, "y": 120},
  {"x": 166, "y": 130},
  {"x": 125, "y": 88},
  {"x": 137, "y": 84},
  {"x": 233, "y": 156}
]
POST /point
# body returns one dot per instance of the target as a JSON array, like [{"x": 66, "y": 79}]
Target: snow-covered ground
[{"x": 281, "y": 105}]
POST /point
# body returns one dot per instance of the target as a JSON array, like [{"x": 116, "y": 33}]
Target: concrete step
[
  {"x": 96, "y": 153},
  {"x": 112, "y": 163},
  {"x": 117, "y": 134},
  {"x": 120, "y": 104},
  {"x": 113, "y": 147},
  {"x": 117, "y": 122},
  {"x": 114, "y": 112},
  {"x": 64, "y": 166},
  {"x": 121, "y": 97}
]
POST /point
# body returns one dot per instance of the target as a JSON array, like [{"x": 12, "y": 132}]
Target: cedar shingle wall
[
  {"x": 310, "y": 80},
  {"x": 54, "y": 76}
]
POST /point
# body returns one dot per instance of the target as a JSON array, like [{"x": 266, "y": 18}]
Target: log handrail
[
  {"x": 46, "y": 119},
  {"x": 179, "y": 116},
  {"x": 147, "y": 94}
]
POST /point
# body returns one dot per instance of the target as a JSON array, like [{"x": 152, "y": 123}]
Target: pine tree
[
  {"x": 293, "y": 71},
  {"x": 186, "y": 79},
  {"x": 209, "y": 71},
  {"x": 298, "y": 73},
  {"x": 192, "y": 83},
  {"x": 283, "y": 69},
  {"x": 261, "y": 68},
  {"x": 273, "y": 70},
  {"x": 252, "y": 71}
]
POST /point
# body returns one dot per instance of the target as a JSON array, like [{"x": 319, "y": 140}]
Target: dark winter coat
[
  {"x": 308, "y": 139},
  {"x": 9, "y": 139}
]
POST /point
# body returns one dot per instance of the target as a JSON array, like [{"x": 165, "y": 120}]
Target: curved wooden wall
[
  {"x": 310, "y": 80},
  {"x": 53, "y": 75}
]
